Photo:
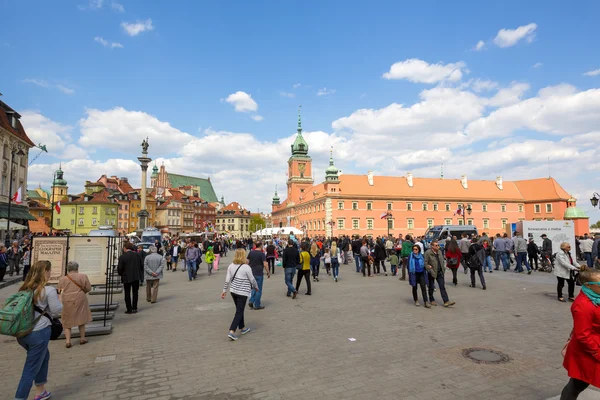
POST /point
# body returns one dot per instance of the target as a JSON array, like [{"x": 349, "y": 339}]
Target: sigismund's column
[{"x": 144, "y": 161}]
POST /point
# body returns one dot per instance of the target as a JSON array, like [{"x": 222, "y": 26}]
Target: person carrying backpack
[
  {"x": 476, "y": 262},
  {"x": 44, "y": 298}
]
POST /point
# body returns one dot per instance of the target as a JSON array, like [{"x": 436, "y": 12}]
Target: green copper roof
[
  {"x": 154, "y": 171},
  {"x": 575, "y": 213},
  {"x": 276, "y": 198},
  {"x": 59, "y": 180},
  {"x": 207, "y": 192},
  {"x": 331, "y": 173},
  {"x": 300, "y": 147},
  {"x": 33, "y": 194}
]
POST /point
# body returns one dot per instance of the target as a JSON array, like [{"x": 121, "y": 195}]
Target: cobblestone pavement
[{"x": 178, "y": 349}]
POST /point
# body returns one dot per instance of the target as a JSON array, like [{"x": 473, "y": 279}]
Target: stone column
[{"x": 144, "y": 161}]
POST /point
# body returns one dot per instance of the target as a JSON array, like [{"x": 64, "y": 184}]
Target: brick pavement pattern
[{"x": 178, "y": 349}]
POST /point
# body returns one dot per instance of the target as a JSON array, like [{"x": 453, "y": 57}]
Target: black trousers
[
  {"x": 376, "y": 268},
  {"x": 271, "y": 265},
  {"x": 441, "y": 284},
  {"x": 366, "y": 266},
  {"x": 464, "y": 260},
  {"x": 420, "y": 281},
  {"x": 561, "y": 285},
  {"x": 481, "y": 277},
  {"x": 2, "y": 272},
  {"x": 573, "y": 389},
  {"x": 128, "y": 288},
  {"x": 238, "y": 318},
  {"x": 533, "y": 258},
  {"x": 454, "y": 273},
  {"x": 303, "y": 273}
]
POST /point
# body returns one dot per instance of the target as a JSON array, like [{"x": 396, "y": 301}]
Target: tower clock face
[{"x": 301, "y": 168}]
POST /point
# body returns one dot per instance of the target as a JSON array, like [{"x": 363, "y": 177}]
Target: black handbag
[{"x": 56, "y": 327}]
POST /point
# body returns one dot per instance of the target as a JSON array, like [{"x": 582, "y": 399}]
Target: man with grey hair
[
  {"x": 14, "y": 255},
  {"x": 154, "y": 264}
]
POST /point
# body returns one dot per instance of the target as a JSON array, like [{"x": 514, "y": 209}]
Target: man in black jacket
[
  {"x": 356, "y": 245},
  {"x": 290, "y": 260},
  {"x": 129, "y": 267}
]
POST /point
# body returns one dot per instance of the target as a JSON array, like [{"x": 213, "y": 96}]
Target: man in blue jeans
[
  {"x": 258, "y": 262},
  {"x": 356, "y": 245},
  {"x": 521, "y": 253},
  {"x": 290, "y": 260},
  {"x": 191, "y": 255}
]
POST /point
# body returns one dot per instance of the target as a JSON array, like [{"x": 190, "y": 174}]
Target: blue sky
[{"x": 92, "y": 78}]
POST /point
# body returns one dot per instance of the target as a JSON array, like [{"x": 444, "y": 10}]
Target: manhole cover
[{"x": 485, "y": 356}]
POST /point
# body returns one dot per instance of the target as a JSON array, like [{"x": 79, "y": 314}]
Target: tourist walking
[
  {"x": 26, "y": 259},
  {"x": 453, "y": 257},
  {"x": 304, "y": 268},
  {"x": 581, "y": 357},
  {"x": 175, "y": 251},
  {"x": 154, "y": 264},
  {"x": 356, "y": 244},
  {"x": 45, "y": 299},
  {"x": 129, "y": 267},
  {"x": 271, "y": 256},
  {"x": 14, "y": 255},
  {"x": 487, "y": 247},
  {"x": 327, "y": 261},
  {"x": 586, "y": 249},
  {"x": 73, "y": 289},
  {"x": 210, "y": 259},
  {"x": 434, "y": 262},
  {"x": 240, "y": 281},
  {"x": 418, "y": 276},
  {"x": 464, "y": 245},
  {"x": 406, "y": 251},
  {"x": 258, "y": 264},
  {"x": 335, "y": 264},
  {"x": 532, "y": 252},
  {"x": 365, "y": 255},
  {"x": 520, "y": 246},
  {"x": 564, "y": 270},
  {"x": 290, "y": 261},
  {"x": 191, "y": 257},
  {"x": 3, "y": 262},
  {"x": 477, "y": 262},
  {"x": 217, "y": 249},
  {"x": 315, "y": 261},
  {"x": 380, "y": 256},
  {"x": 393, "y": 260}
]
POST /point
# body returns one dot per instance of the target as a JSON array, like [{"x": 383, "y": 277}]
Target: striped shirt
[{"x": 244, "y": 280}]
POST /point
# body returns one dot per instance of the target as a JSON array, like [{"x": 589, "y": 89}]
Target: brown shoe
[
  {"x": 68, "y": 345},
  {"x": 294, "y": 294},
  {"x": 449, "y": 304},
  {"x": 82, "y": 342},
  {"x": 433, "y": 303}
]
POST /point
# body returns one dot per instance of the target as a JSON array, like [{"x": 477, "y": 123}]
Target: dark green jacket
[{"x": 406, "y": 248}]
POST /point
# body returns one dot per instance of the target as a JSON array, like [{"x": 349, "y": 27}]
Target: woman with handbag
[
  {"x": 36, "y": 343},
  {"x": 73, "y": 289},
  {"x": 335, "y": 263},
  {"x": 564, "y": 269},
  {"x": 453, "y": 257},
  {"x": 582, "y": 351}
]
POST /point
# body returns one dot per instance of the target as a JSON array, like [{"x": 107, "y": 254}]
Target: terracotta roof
[
  {"x": 99, "y": 197},
  {"x": 5, "y": 123},
  {"x": 541, "y": 189},
  {"x": 236, "y": 207},
  {"x": 125, "y": 187},
  {"x": 39, "y": 226}
]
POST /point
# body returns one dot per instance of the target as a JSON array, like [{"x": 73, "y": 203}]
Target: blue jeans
[
  {"x": 522, "y": 258},
  {"x": 335, "y": 267},
  {"x": 191, "y": 268},
  {"x": 256, "y": 295},
  {"x": 358, "y": 262},
  {"x": 487, "y": 263},
  {"x": 289, "y": 277},
  {"x": 587, "y": 255},
  {"x": 36, "y": 363}
]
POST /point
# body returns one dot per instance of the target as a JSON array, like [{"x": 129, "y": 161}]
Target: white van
[{"x": 149, "y": 235}]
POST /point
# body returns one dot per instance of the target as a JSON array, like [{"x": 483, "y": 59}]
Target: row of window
[
  {"x": 94, "y": 222},
  {"x": 410, "y": 223},
  {"x": 110, "y": 211},
  {"x": 232, "y": 227},
  {"x": 435, "y": 207}
]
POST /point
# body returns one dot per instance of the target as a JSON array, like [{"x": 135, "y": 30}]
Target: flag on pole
[
  {"x": 17, "y": 197},
  {"x": 384, "y": 215},
  {"x": 458, "y": 212},
  {"x": 57, "y": 207}
]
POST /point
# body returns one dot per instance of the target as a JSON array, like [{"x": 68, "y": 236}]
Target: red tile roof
[
  {"x": 5, "y": 123},
  {"x": 98, "y": 197}
]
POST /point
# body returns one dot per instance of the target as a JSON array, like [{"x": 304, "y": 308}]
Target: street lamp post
[
  {"x": 389, "y": 217},
  {"x": 468, "y": 210},
  {"x": 594, "y": 200},
  {"x": 16, "y": 149}
]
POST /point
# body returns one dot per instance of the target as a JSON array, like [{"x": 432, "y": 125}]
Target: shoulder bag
[
  {"x": 76, "y": 284},
  {"x": 56, "y": 327}
]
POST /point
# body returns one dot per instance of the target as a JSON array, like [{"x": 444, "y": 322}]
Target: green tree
[
  {"x": 596, "y": 225},
  {"x": 256, "y": 223}
]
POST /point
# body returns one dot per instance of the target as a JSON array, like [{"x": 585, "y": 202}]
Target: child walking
[
  {"x": 210, "y": 258},
  {"x": 393, "y": 260},
  {"x": 327, "y": 259}
]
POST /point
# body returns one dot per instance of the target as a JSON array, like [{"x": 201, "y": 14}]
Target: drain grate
[{"x": 485, "y": 356}]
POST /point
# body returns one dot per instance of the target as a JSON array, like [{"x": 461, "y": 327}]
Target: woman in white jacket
[{"x": 564, "y": 269}]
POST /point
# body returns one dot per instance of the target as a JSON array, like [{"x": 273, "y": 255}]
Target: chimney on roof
[
  {"x": 463, "y": 181},
  {"x": 499, "y": 182},
  {"x": 124, "y": 179},
  {"x": 409, "y": 179},
  {"x": 370, "y": 178}
]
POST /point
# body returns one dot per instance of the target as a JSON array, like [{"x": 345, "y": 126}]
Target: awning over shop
[{"x": 16, "y": 212}]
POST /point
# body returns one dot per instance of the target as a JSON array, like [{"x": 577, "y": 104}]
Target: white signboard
[{"x": 557, "y": 231}]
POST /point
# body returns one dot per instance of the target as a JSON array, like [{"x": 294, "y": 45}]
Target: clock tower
[{"x": 299, "y": 168}]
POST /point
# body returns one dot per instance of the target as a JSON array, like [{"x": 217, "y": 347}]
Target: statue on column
[{"x": 145, "y": 146}]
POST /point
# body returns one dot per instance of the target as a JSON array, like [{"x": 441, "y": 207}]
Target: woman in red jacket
[
  {"x": 453, "y": 256},
  {"x": 582, "y": 358}
]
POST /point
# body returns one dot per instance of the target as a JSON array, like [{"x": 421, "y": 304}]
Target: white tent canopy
[
  {"x": 13, "y": 225},
  {"x": 286, "y": 230}
]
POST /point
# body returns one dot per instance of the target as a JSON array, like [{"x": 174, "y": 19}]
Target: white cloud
[
  {"x": 92, "y": 5},
  {"x": 103, "y": 129},
  {"x": 258, "y": 118},
  {"x": 419, "y": 71},
  {"x": 325, "y": 92},
  {"x": 242, "y": 101},
  {"x": 296, "y": 85},
  {"x": 480, "y": 85},
  {"x": 510, "y": 95},
  {"x": 134, "y": 29},
  {"x": 48, "y": 85},
  {"x": 595, "y": 72},
  {"x": 537, "y": 65},
  {"x": 287, "y": 94},
  {"x": 117, "y": 7},
  {"x": 479, "y": 46},
  {"x": 510, "y": 37},
  {"x": 106, "y": 43}
]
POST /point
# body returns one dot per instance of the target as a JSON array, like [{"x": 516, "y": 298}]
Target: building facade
[
  {"x": 234, "y": 220},
  {"x": 162, "y": 181},
  {"x": 375, "y": 205}
]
